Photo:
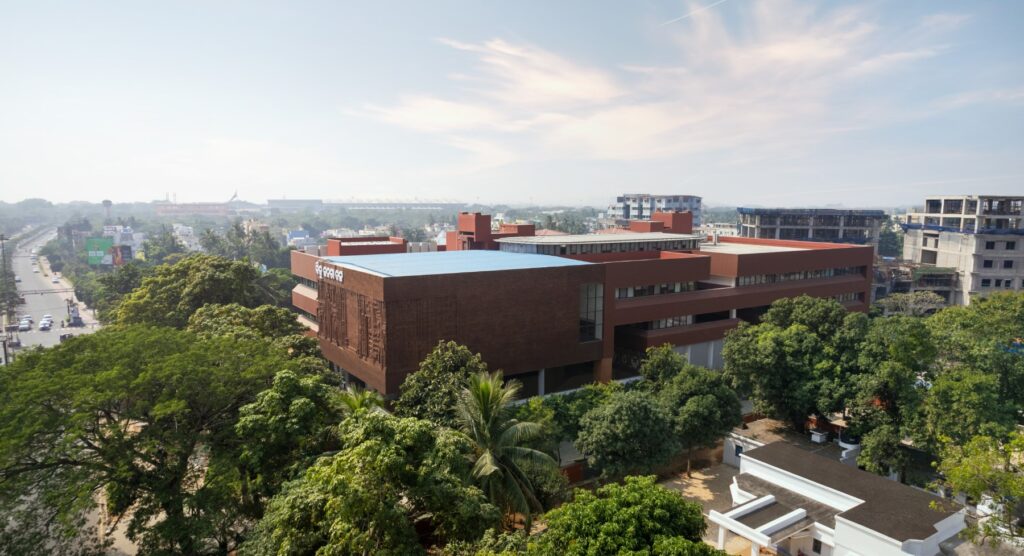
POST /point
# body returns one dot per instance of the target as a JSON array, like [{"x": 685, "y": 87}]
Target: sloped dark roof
[{"x": 890, "y": 508}]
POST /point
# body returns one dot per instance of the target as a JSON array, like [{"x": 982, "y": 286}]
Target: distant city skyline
[{"x": 768, "y": 103}]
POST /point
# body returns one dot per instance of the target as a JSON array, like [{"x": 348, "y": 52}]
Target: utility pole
[{"x": 5, "y": 283}]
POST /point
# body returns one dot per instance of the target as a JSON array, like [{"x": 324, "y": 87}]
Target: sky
[{"x": 744, "y": 102}]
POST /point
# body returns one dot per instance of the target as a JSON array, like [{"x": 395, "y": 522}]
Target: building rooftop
[
  {"x": 893, "y": 509},
  {"x": 812, "y": 211},
  {"x": 448, "y": 262},
  {"x": 745, "y": 248},
  {"x": 599, "y": 238}
]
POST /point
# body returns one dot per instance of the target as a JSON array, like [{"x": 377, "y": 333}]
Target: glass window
[
  {"x": 1007, "y": 264},
  {"x": 986, "y": 264},
  {"x": 985, "y": 282},
  {"x": 1011, "y": 245},
  {"x": 591, "y": 311},
  {"x": 990, "y": 245}
]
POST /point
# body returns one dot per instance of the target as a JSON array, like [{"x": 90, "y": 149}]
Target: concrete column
[
  {"x": 842, "y": 226},
  {"x": 603, "y": 370},
  {"x": 755, "y": 549},
  {"x": 778, "y": 229},
  {"x": 540, "y": 382},
  {"x": 721, "y": 537},
  {"x": 732, "y": 313}
]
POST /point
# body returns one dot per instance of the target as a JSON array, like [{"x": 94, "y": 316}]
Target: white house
[{"x": 794, "y": 502}]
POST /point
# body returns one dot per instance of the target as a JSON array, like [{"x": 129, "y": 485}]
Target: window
[
  {"x": 816, "y": 546},
  {"x": 987, "y": 264},
  {"x": 999, "y": 282},
  {"x": 1008, "y": 283},
  {"x": 1007, "y": 264},
  {"x": 591, "y": 311},
  {"x": 1011, "y": 245},
  {"x": 985, "y": 282},
  {"x": 990, "y": 245}
]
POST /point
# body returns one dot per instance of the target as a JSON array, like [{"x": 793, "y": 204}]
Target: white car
[
  {"x": 55, "y": 280},
  {"x": 45, "y": 325},
  {"x": 17, "y": 278},
  {"x": 24, "y": 326},
  {"x": 48, "y": 316},
  {"x": 35, "y": 270}
]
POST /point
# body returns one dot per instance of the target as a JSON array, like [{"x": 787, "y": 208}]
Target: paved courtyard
[{"x": 709, "y": 487}]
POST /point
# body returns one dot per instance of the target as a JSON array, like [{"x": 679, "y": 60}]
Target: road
[{"x": 43, "y": 297}]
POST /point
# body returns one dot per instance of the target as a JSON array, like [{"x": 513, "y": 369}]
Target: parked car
[
  {"x": 55, "y": 280},
  {"x": 26, "y": 317},
  {"x": 35, "y": 270},
  {"x": 17, "y": 278},
  {"x": 48, "y": 317},
  {"x": 24, "y": 326},
  {"x": 44, "y": 326},
  {"x": 66, "y": 336}
]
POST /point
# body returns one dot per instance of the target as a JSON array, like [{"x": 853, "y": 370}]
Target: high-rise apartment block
[
  {"x": 641, "y": 206},
  {"x": 980, "y": 237},
  {"x": 815, "y": 224}
]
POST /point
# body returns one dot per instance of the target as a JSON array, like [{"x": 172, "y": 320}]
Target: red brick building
[{"x": 559, "y": 311}]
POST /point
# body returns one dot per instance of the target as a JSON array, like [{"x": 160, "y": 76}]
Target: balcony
[{"x": 635, "y": 338}]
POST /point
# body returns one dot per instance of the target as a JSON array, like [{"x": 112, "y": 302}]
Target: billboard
[
  {"x": 120, "y": 254},
  {"x": 98, "y": 250}
]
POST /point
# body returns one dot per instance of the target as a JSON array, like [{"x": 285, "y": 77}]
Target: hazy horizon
[{"x": 773, "y": 103}]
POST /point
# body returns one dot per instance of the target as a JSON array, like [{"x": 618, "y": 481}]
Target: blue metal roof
[{"x": 449, "y": 262}]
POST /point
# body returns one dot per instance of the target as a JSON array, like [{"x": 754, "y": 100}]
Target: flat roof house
[{"x": 790, "y": 501}]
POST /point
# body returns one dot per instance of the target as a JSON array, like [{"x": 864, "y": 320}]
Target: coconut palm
[
  {"x": 484, "y": 415},
  {"x": 355, "y": 399}
]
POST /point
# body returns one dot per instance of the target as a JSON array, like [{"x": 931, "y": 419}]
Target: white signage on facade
[{"x": 328, "y": 272}]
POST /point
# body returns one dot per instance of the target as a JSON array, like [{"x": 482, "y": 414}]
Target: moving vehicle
[
  {"x": 17, "y": 278},
  {"x": 54, "y": 280},
  {"x": 35, "y": 269}
]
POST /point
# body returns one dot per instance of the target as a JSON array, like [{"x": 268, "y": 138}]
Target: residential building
[
  {"x": 214, "y": 210},
  {"x": 641, "y": 206},
  {"x": 558, "y": 312},
  {"x": 724, "y": 229},
  {"x": 790, "y": 501},
  {"x": 981, "y": 237},
  {"x": 813, "y": 224}
]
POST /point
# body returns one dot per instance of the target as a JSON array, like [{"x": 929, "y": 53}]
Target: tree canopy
[
  {"x": 637, "y": 517},
  {"x": 433, "y": 391},
  {"x": 172, "y": 293},
  {"x": 631, "y": 431},
  {"x": 392, "y": 477},
  {"x": 131, "y": 412}
]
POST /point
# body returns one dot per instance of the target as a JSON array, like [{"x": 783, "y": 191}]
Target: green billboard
[{"x": 98, "y": 250}]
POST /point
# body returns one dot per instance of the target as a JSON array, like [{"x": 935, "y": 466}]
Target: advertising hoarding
[{"x": 98, "y": 250}]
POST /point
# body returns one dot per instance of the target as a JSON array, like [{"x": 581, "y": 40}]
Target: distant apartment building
[
  {"x": 641, "y": 206},
  {"x": 811, "y": 224},
  {"x": 186, "y": 236},
  {"x": 214, "y": 210},
  {"x": 723, "y": 229},
  {"x": 980, "y": 238}
]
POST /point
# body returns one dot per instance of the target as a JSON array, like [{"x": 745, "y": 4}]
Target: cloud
[
  {"x": 988, "y": 96},
  {"x": 772, "y": 84}
]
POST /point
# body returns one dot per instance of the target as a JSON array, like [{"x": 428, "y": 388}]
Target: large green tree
[
  {"x": 703, "y": 408},
  {"x": 989, "y": 466},
  {"x": 160, "y": 246},
  {"x": 172, "y": 293},
  {"x": 799, "y": 360},
  {"x": 498, "y": 440},
  {"x": 961, "y": 404},
  {"x": 396, "y": 486},
  {"x": 636, "y": 517},
  {"x": 143, "y": 418},
  {"x": 629, "y": 432},
  {"x": 433, "y": 391}
]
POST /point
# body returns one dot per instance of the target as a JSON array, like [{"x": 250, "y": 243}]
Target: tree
[
  {"x": 702, "y": 406},
  {"x": 170, "y": 295},
  {"x": 391, "y": 476},
  {"x": 898, "y": 356},
  {"x": 799, "y": 360},
  {"x": 628, "y": 518},
  {"x": 962, "y": 404},
  {"x": 432, "y": 392},
  {"x": 629, "y": 432},
  {"x": 144, "y": 417},
  {"x": 890, "y": 241},
  {"x": 484, "y": 414},
  {"x": 980, "y": 336},
  {"x": 989, "y": 466},
  {"x": 282, "y": 432},
  {"x": 162, "y": 245},
  {"x": 661, "y": 364},
  {"x": 355, "y": 400},
  {"x": 913, "y": 304},
  {"x": 233, "y": 319}
]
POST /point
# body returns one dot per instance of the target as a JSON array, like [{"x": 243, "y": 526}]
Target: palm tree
[
  {"x": 355, "y": 399},
  {"x": 484, "y": 415}
]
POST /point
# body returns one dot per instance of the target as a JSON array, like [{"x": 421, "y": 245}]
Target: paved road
[{"x": 43, "y": 297}]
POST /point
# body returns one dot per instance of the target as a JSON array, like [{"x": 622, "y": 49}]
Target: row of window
[
  {"x": 999, "y": 283},
  {"x": 671, "y": 322},
  {"x": 307, "y": 282},
  {"x": 989, "y": 263},
  {"x": 1008, "y": 245},
  {"x": 591, "y": 248},
  {"x": 800, "y": 275},
  {"x": 307, "y": 314},
  {"x": 851, "y": 296},
  {"x": 654, "y": 289},
  {"x": 591, "y": 311}
]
